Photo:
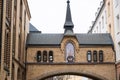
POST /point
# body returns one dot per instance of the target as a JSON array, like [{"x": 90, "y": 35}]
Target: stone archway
[{"x": 94, "y": 76}]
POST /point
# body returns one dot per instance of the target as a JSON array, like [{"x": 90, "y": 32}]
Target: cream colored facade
[
  {"x": 112, "y": 25},
  {"x": 104, "y": 22},
  {"x": 14, "y": 24},
  {"x": 117, "y": 34},
  {"x": 110, "y": 17}
]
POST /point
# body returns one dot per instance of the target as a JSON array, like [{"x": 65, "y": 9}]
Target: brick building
[
  {"x": 90, "y": 55},
  {"x": 14, "y": 23},
  {"x": 36, "y": 56}
]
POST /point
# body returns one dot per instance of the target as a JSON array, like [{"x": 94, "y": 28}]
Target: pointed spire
[{"x": 68, "y": 22}]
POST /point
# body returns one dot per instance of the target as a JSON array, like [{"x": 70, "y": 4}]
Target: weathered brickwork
[
  {"x": 118, "y": 71},
  {"x": 36, "y": 70}
]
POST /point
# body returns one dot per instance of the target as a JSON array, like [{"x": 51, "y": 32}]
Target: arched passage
[{"x": 94, "y": 76}]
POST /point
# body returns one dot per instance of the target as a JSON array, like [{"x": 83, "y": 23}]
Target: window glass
[
  {"x": 69, "y": 52},
  {"x": 102, "y": 22},
  {"x": 39, "y": 56},
  {"x": 116, "y": 3},
  {"x": 95, "y": 56},
  {"x": 50, "y": 56},
  {"x": 44, "y": 56},
  {"x": 108, "y": 9},
  {"x": 89, "y": 56},
  {"x": 100, "y": 56},
  {"x": 117, "y": 24}
]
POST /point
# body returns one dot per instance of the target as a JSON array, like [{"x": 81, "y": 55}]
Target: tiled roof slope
[
  {"x": 55, "y": 39},
  {"x": 32, "y": 28}
]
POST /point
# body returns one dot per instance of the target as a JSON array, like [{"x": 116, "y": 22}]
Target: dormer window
[{"x": 70, "y": 51}]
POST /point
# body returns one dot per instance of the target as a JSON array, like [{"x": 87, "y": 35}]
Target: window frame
[
  {"x": 51, "y": 54},
  {"x": 37, "y": 56},
  {"x": 95, "y": 56},
  {"x": 101, "y": 56},
  {"x": 45, "y": 56},
  {"x": 69, "y": 55},
  {"x": 89, "y": 53}
]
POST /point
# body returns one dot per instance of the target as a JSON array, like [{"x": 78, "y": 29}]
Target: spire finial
[
  {"x": 68, "y": 1},
  {"x": 68, "y": 22}
]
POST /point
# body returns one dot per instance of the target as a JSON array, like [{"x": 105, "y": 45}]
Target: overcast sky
[{"x": 49, "y": 16}]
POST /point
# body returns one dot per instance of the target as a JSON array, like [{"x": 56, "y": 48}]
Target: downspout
[{"x": 2, "y": 8}]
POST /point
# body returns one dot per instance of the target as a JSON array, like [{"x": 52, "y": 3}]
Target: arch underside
[{"x": 91, "y": 75}]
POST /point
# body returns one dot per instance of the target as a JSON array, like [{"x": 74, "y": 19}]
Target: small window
[
  {"x": 50, "y": 56},
  {"x": 100, "y": 56},
  {"x": 109, "y": 9},
  {"x": 39, "y": 56},
  {"x": 95, "y": 56},
  {"x": 116, "y": 3},
  {"x": 44, "y": 56},
  {"x": 89, "y": 56}
]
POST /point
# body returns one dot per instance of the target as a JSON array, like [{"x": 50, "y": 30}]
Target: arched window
[
  {"x": 95, "y": 56},
  {"x": 89, "y": 56},
  {"x": 70, "y": 52},
  {"x": 50, "y": 56},
  {"x": 100, "y": 56},
  {"x": 39, "y": 56},
  {"x": 44, "y": 56}
]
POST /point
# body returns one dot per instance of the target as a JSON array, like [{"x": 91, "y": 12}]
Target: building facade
[
  {"x": 104, "y": 21},
  {"x": 117, "y": 34},
  {"x": 112, "y": 26},
  {"x": 14, "y": 23},
  {"x": 69, "y": 53},
  {"x": 33, "y": 55},
  {"x": 99, "y": 25}
]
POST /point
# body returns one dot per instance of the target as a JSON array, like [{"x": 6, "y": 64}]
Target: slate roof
[
  {"x": 32, "y": 28},
  {"x": 44, "y": 39},
  {"x": 38, "y": 39},
  {"x": 94, "y": 39}
]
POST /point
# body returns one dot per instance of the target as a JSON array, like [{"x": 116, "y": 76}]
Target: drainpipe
[
  {"x": 1, "y": 19},
  {"x": 1, "y": 27},
  {"x": 2, "y": 8},
  {"x": 25, "y": 62}
]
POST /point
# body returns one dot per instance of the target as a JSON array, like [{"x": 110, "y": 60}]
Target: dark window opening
[
  {"x": 89, "y": 56},
  {"x": 39, "y": 56},
  {"x": 44, "y": 56},
  {"x": 95, "y": 56},
  {"x": 50, "y": 56},
  {"x": 100, "y": 56}
]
